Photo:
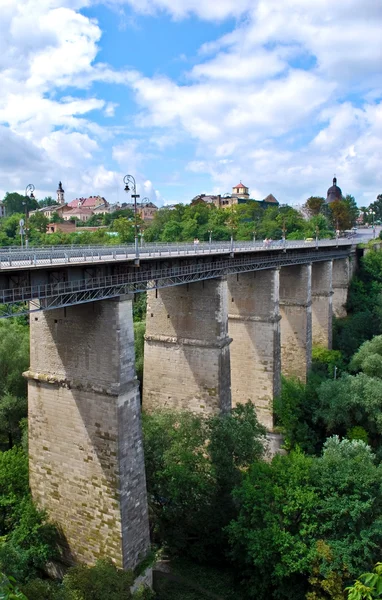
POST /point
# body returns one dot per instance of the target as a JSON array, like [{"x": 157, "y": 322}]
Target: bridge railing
[
  {"x": 40, "y": 256},
  {"x": 201, "y": 270}
]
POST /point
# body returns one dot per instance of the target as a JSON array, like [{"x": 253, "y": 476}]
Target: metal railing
[
  {"x": 68, "y": 293},
  {"x": 13, "y": 259}
]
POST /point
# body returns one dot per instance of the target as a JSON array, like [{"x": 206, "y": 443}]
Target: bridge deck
[{"x": 160, "y": 266}]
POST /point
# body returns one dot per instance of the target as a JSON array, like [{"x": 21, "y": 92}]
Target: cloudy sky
[{"x": 191, "y": 96}]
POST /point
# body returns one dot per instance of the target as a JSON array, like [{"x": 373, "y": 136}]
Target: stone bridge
[{"x": 223, "y": 322}]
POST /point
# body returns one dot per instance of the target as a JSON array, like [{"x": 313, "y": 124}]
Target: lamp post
[
  {"x": 28, "y": 195},
  {"x": 372, "y": 222},
  {"x": 210, "y": 237},
  {"x": 254, "y": 236},
  {"x": 337, "y": 231},
  {"x": 317, "y": 234},
  {"x": 284, "y": 230},
  {"x": 129, "y": 179}
]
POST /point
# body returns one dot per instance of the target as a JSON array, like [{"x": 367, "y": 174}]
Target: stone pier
[
  {"x": 254, "y": 325},
  {"x": 85, "y": 439},
  {"x": 187, "y": 354},
  {"x": 322, "y": 310},
  {"x": 341, "y": 278},
  {"x": 296, "y": 320}
]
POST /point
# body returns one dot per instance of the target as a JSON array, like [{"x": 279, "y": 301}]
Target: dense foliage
[
  {"x": 291, "y": 507},
  {"x": 304, "y": 526},
  {"x": 192, "y": 466}
]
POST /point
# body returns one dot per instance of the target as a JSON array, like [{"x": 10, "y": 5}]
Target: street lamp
[
  {"x": 210, "y": 237},
  {"x": 129, "y": 179},
  {"x": 317, "y": 234},
  {"x": 28, "y": 195},
  {"x": 254, "y": 236},
  {"x": 372, "y": 212},
  {"x": 284, "y": 230}
]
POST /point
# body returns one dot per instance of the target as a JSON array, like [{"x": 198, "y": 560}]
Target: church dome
[{"x": 334, "y": 192}]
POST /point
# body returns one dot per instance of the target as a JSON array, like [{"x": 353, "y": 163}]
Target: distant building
[
  {"x": 147, "y": 211},
  {"x": 334, "y": 192},
  {"x": 240, "y": 192},
  {"x": 2, "y": 210},
  {"x": 90, "y": 203},
  {"x": 240, "y": 195},
  {"x": 67, "y": 227},
  {"x": 270, "y": 200},
  {"x": 83, "y": 214},
  {"x": 47, "y": 211}
]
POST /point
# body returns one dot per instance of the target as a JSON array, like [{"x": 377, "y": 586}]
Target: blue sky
[{"x": 191, "y": 97}]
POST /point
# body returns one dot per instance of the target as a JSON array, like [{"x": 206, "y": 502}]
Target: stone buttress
[
  {"x": 322, "y": 309},
  {"x": 296, "y": 320},
  {"x": 187, "y": 354},
  {"x": 341, "y": 278},
  {"x": 254, "y": 325},
  {"x": 85, "y": 439}
]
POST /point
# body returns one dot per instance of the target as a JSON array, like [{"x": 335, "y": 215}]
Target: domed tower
[
  {"x": 60, "y": 194},
  {"x": 334, "y": 192}
]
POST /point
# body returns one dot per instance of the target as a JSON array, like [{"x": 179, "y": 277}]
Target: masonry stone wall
[
  {"x": 341, "y": 279},
  {"x": 322, "y": 309},
  {"x": 187, "y": 355},
  {"x": 296, "y": 320},
  {"x": 85, "y": 439},
  {"x": 254, "y": 325}
]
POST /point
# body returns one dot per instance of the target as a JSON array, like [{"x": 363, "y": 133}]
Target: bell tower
[{"x": 60, "y": 194}]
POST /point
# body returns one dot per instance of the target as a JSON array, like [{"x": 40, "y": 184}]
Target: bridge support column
[
  {"x": 341, "y": 278},
  {"x": 296, "y": 320},
  {"x": 85, "y": 440},
  {"x": 187, "y": 355},
  {"x": 322, "y": 310},
  {"x": 254, "y": 325}
]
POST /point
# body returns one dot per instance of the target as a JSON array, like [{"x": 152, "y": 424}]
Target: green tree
[
  {"x": 353, "y": 209},
  {"x": 14, "y": 357},
  {"x": 139, "y": 341},
  {"x": 368, "y": 586},
  {"x": 38, "y": 221},
  {"x": 343, "y": 213},
  {"x": 47, "y": 201},
  {"x": 294, "y": 507},
  {"x": 16, "y": 203},
  {"x": 273, "y": 538},
  {"x": 55, "y": 218},
  {"x": 368, "y": 359},
  {"x": 9, "y": 589},
  {"x": 192, "y": 464},
  {"x": 124, "y": 228},
  {"x": 12, "y": 411},
  {"x": 314, "y": 205},
  {"x": 351, "y": 401},
  {"x": 377, "y": 208},
  {"x": 348, "y": 481},
  {"x": 295, "y": 411}
]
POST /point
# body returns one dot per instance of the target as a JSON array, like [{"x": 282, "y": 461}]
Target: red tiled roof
[
  {"x": 81, "y": 211},
  {"x": 87, "y": 202},
  {"x": 240, "y": 186}
]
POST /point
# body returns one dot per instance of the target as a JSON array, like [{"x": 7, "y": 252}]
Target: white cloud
[
  {"x": 210, "y": 10},
  {"x": 289, "y": 96}
]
